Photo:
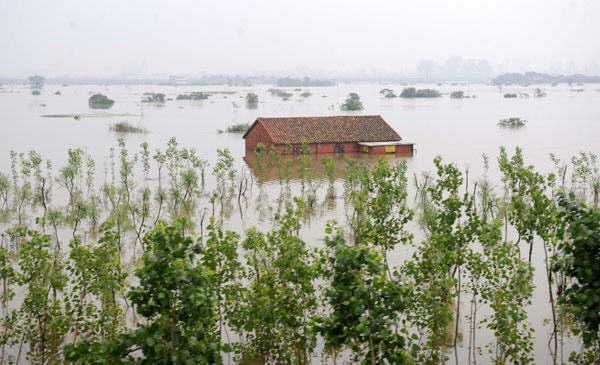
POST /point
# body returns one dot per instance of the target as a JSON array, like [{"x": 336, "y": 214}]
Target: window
[{"x": 338, "y": 149}]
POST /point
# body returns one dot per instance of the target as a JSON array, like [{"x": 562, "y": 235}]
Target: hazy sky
[{"x": 102, "y": 38}]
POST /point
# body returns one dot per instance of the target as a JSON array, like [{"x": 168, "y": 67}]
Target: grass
[{"x": 126, "y": 127}]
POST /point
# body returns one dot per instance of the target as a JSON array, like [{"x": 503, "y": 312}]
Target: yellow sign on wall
[{"x": 390, "y": 149}]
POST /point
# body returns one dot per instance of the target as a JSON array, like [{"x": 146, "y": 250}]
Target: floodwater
[{"x": 565, "y": 122}]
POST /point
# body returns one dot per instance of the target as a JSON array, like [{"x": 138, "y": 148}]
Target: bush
[
  {"x": 388, "y": 93},
  {"x": 457, "y": 94},
  {"x": 35, "y": 92},
  {"x": 126, "y": 127},
  {"x": 539, "y": 93},
  {"x": 196, "y": 95},
  {"x": 153, "y": 98},
  {"x": 251, "y": 101},
  {"x": 512, "y": 122},
  {"x": 411, "y": 92},
  {"x": 509, "y": 95},
  {"x": 281, "y": 93},
  {"x": 352, "y": 102},
  {"x": 99, "y": 101},
  {"x": 305, "y": 94},
  {"x": 238, "y": 128}
]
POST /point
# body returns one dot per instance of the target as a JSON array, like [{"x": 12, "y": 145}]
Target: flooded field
[{"x": 564, "y": 122}]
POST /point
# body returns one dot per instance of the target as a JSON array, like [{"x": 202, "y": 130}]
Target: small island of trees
[
  {"x": 352, "y": 103},
  {"x": 100, "y": 101},
  {"x": 411, "y": 92}
]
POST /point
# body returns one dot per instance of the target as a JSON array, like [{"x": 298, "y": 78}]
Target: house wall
[
  {"x": 321, "y": 148},
  {"x": 406, "y": 150},
  {"x": 257, "y": 135}
]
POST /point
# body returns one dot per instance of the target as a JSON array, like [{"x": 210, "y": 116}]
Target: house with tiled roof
[{"x": 333, "y": 134}]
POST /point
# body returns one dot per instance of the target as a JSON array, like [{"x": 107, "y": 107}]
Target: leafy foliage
[
  {"x": 352, "y": 103},
  {"x": 100, "y": 101},
  {"x": 411, "y": 92},
  {"x": 512, "y": 122},
  {"x": 251, "y": 101},
  {"x": 580, "y": 250}
]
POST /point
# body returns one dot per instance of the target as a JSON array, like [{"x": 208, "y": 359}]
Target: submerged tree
[
  {"x": 251, "y": 101},
  {"x": 36, "y": 81},
  {"x": 352, "y": 103},
  {"x": 100, "y": 101}
]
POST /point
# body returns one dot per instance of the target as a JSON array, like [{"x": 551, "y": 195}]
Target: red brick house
[{"x": 337, "y": 134}]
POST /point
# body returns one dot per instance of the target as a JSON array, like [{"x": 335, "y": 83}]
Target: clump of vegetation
[
  {"x": 126, "y": 127},
  {"x": 196, "y": 95},
  {"x": 305, "y": 94},
  {"x": 99, "y": 101},
  {"x": 539, "y": 93},
  {"x": 36, "y": 81},
  {"x": 238, "y": 128},
  {"x": 287, "y": 81},
  {"x": 513, "y": 122},
  {"x": 510, "y": 95},
  {"x": 35, "y": 92},
  {"x": 57, "y": 93},
  {"x": 457, "y": 94},
  {"x": 352, "y": 102},
  {"x": 411, "y": 92},
  {"x": 251, "y": 101},
  {"x": 280, "y": 93},
  {"x": 153, "y": 98},
  {"x": 388, "y": 93}
]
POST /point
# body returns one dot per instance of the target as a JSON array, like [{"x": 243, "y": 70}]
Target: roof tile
[{"x": 333, "y": 129}]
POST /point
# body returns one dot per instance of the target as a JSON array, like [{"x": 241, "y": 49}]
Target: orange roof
[{"x": 335, "y": 129}]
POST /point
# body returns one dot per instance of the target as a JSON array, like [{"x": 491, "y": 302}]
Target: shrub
[
  {"x": 251, "y": 101},
  {"x": 153, "y": 98},
  {"x": 196, "y": 95},
  {"x": 99, "y": 101},
  {"x": 457, "y": 94},
  {"x": 126, "y": 127},
  {"x": 512, "y": 122},
  {"x": 411, "y": 92},
  {"x": 509, "y": 95},
  {"x": 388, "y": 93},
  {"x": 352, "y": 102},
  {"x": 238, "y": 128}
]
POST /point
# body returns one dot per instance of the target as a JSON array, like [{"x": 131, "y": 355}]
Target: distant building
[{"x": 338, "y": 134}]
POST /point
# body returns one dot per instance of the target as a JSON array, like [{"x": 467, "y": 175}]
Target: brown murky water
[{"x": 565, "y": 122}]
